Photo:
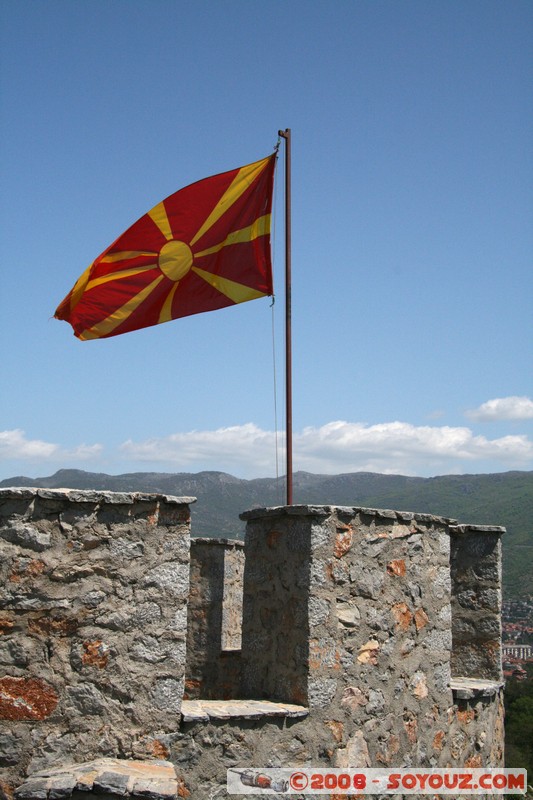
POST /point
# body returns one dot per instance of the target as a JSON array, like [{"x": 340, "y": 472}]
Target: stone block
[
  {"x": 10, "y": 749},
  {"x": 25, "y": 535}
]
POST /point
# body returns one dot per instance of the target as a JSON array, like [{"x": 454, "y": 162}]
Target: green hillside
[{"x": 496, "y": 499}]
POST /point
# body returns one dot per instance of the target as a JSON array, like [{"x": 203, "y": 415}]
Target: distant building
[{"x": 521, "y": 651}]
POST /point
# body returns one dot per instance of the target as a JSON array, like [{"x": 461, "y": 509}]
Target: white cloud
[
  {"x": 15, "y": 446},
  {"x": 248, "y": 451},
  {"x": 83, "y": 452},
  {"x": 502, "y": 408},
  {"x": 392, "y": 447},
  {"x": 242, "y": 446},
  {"x": 405, "y": 448}
]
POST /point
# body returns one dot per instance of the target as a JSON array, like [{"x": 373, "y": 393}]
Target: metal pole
[{"x": 286, "y": 134}]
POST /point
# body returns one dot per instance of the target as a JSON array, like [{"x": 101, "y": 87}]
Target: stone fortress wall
[{"x": 368, "y": 638}]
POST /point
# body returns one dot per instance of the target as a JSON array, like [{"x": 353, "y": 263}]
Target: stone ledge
[
  {"x": 276, "y": 511},
  {"x": 478, "y": 529},
  {"x": 91, "y": 495},
  {"x": 104, "y": 777},
  {"x": 471, "y": 688},
  {"x": 217, "y": 540},
  {"x": 205, "y": 710},
  {"x": 324, "y": 511}
]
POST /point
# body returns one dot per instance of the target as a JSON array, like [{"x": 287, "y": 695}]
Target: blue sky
[{"x": 412, "y": 232}]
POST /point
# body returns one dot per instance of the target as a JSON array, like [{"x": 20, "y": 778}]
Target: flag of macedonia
[{"x": 205, "y": 247}]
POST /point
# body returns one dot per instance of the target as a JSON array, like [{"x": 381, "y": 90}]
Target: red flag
[{"x": 205, "y": 247}]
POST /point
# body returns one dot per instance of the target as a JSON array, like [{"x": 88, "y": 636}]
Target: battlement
[{"x": 340, "y": 636}]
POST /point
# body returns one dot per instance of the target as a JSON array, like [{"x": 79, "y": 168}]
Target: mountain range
[{"x": 494, "y": 499}]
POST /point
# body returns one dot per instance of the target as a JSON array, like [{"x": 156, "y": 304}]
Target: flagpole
[{"x": 286, "y": 134}]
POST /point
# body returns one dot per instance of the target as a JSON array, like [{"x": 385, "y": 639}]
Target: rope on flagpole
[{"x": 279, "y": 488}]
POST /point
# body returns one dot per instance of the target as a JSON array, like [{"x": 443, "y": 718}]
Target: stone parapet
[
  {"x": 214, "y": 619},
  {"x": 343, "y": 597},
  {"x": 476, "y": 598},
  {"x": 325, "y": 510},
  {"x": 370, "y": 637},
  {"x": 349, "y": 612},
  {"x": 213, "y": 740},
  {"x": 94, "y": 610}
]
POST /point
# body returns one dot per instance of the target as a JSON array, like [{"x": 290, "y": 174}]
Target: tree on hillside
[{"x": 519, "y": 724}]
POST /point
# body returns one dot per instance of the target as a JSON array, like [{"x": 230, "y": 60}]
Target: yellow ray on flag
[
  {"x": 125, "y": 255},
  {"x": 258, "y": 228},
  {"x": 237, "y": 292},
  {"x": 117, "y": 276},
  {"x": 159, "y": 215},
  {"x": 166, "y": 311},
  {"x": 243, "y": 179},
  {"x": 111, "y": 322}
]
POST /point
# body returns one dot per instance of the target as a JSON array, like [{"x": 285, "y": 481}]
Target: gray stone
[
  {"x": 32, "y": 790},
  {"x": 10, "y": 749},
  {"x": 318, "y": 574},
  {"x": 372, "y": 549},
  {"x": 146, "y": 614},
  {"x": 112, "y": 783},
  {"x": 37, "y": 603},
  {"x": 13, "y": 652},
  {"x": 123, "y": 548},
  {"x": 170, "y": 577},
  {"x": 155, "y": 789},
  {"x": 61, "y": 787},
  {"x": 376, "y": 702},
  {"x": 318, "y": 611},
  {"x": 340, "y": 571},
  {"x": 488, "y": 626},
  {"x": 167, "y": 695},
  {"x": 414, "y": 591},
  {"x": 439, "y": 640},
  {"x": 490, "y": 599},
  {"x": 378, "y": 619},
  {"x": 179, "y": 621},
  {"x": 442, "y": 677},
  {"x": 444, "y": 617},
  {"x": 320, "y": 535},
  {"x": 150, "y": 649},
  {"x": 86, "y": 698},
  {"x": 416, "y": 543},
  {"x": 154, "y": 650},
  {"x": 93, "y": 598},
  {"x": 26, "y": 536},
  {"x": 366, "y": 583},
  {"x": 121, "y": 620},
  {"x": 321, "y": 692},
  {"x": 441, "y": 584}
]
